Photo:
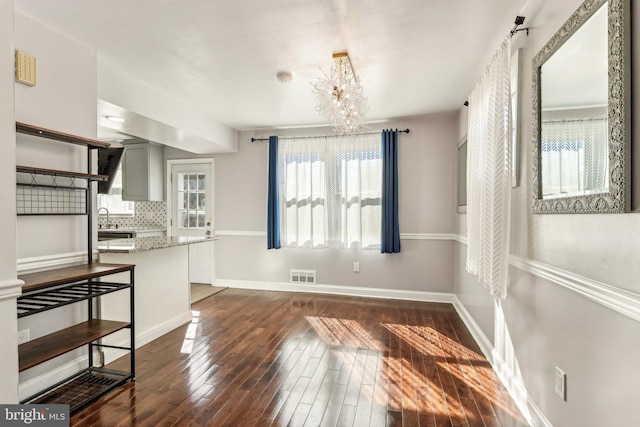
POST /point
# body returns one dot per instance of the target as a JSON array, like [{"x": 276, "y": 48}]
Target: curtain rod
[{"x": 322, "y": 136}]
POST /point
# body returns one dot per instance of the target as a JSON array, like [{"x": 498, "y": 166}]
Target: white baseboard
[
  {"x": 51, "y": 377},
  {"x": 59, "y": 373},
  {"x": 338, "y": 290},
  {"x": 512, "y": 383},
  {"x": 111, "y": 354}
]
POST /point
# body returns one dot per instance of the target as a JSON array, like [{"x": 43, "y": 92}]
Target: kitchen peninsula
[{"x": 162, "y": 285}]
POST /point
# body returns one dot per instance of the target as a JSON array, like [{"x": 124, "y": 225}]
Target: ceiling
[{"x": 414, "y": 57}]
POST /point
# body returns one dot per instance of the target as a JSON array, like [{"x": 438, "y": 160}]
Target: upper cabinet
[{"x": 142, "y": 172}]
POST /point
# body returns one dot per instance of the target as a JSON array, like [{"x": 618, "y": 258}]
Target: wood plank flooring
[{"x": 276, "y": 359}]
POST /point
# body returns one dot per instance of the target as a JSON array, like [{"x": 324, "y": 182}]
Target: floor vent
[{"x": 302, "y": 276}]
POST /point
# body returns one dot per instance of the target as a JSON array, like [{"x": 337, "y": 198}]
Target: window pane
[
  {"x": 200, "y": 220},
  {"x": 184, "y": 220},
  {"x": 183, "y": 181},
  {"x": 192, "y": 220},
  {"x": 201, "y": 201},
  {"x": 201, "y": 182},
  {"x": 193, "y": 182},
  {"x": 193, "y": 200}
]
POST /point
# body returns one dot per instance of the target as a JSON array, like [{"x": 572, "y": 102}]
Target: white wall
[
  {"x": 543, "y": 324},
  {"x": 9, "y": 287},
  {"x": 426, "y": 165},
  {"x": 64, "y": 99}
]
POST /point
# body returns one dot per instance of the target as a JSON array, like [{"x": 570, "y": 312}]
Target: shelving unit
[{"x": 70, "y": 193}]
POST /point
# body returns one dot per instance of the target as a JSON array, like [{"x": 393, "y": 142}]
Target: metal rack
[
  {"x": 57, "y": 192},
  {"x": 52, "y": 192}
]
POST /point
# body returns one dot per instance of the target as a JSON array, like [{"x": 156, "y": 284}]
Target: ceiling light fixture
[
  {"x": 115, "y": 119},
  {"x": 340, "y": 98}
]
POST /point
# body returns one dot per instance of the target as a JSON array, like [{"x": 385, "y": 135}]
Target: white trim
[
  {"x": 461, "y": 239},
  {"x": 52, "y": 261},
  {"x": 512, "y": 383},
  {"x": 50, "y": 377},
  {"x": 168, "y": 188},
  {"x": 614, "y": 298},
  {"x": 240, "y": 233},
  {"x": 403, "y": 236},
  {"x": 10, "y": 289},
  {"x": 485, "y": 343},
  {"x": 146, "y": 337},
  {"x": 427, "y": 236},
  {"x": 338, "y": 290}
]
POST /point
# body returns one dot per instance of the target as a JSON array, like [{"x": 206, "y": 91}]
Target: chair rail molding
[{"x": 617, "y": 299}]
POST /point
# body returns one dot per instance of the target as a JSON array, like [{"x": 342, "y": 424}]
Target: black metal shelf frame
[
  {"x": 82, "y": 388},
  {"x": 39, "y": 301},
  {"x": 88, "y": 385}
]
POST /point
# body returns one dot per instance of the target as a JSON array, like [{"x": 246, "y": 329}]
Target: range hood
[{"x": 108, "y": 161}]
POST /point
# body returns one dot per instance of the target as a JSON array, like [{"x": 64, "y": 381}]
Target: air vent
[{"x": 302, "y": 276}]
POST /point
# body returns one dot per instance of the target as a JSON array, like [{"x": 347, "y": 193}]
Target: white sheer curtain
[
  {"x": 489, "y": 174},
  {"x": 331, "y": 191},
  {"x": 574, "y": 156}
]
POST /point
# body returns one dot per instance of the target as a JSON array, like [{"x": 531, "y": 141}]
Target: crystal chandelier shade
[{"x": 340, "y": 98}]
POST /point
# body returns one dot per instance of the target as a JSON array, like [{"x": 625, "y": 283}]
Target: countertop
[{"x": 141, "y": 244}]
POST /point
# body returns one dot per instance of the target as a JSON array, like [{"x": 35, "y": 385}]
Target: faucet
[{"x": 107, "y": 210}]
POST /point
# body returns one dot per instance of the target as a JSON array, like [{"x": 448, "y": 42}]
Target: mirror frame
[{"x": 618, "y": 198}]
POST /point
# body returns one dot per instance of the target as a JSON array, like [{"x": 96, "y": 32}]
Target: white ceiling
[{"x": 414, "y": 57}]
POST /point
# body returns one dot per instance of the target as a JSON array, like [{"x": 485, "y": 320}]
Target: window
[
  {"x": 191, "y": 200},
  {"x": 573, "y": 153},
  {"x": 113, "y": 201},
  {"x": 331, "y": 192}
]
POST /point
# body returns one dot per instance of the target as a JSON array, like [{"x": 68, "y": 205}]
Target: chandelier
[{"x": 340, "y": 98}]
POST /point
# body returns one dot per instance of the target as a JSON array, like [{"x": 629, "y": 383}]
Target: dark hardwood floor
[{"x": 275, "y": 358}]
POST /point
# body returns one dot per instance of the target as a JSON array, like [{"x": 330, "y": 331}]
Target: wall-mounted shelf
[
  {"x": 55, "y": 135},
  {"x": 55, "y": 173}
]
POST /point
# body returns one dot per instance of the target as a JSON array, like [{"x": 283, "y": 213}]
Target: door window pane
[{"x": 191, "y": 200}]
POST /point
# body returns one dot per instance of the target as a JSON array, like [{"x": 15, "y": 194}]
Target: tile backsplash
[{"x": 147, "y": 215}]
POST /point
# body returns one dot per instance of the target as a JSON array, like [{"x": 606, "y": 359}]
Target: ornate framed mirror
[{"x": 581, "y": 113}]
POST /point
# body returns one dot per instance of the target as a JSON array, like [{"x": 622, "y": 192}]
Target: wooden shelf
[
  {"x": 76, "y": 273},
  {"x": 54, "y": 172},
  {"x": 42, "y": 349},
  {"x": 59, "y": 136}
]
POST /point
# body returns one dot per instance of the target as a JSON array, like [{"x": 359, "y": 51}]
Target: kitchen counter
[{"x": 141, "y": 244}]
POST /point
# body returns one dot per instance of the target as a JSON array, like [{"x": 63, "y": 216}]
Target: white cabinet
[{"x": 142, "y": 172}]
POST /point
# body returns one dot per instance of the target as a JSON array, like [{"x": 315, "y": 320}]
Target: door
[{"x": 192, "y": 213}]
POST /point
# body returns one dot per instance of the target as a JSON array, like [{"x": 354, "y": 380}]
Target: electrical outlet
[
  {"x": 356, "y": 267},
  {"x": 561, "y": 383},
  {"x": 23, "y": 336}
]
